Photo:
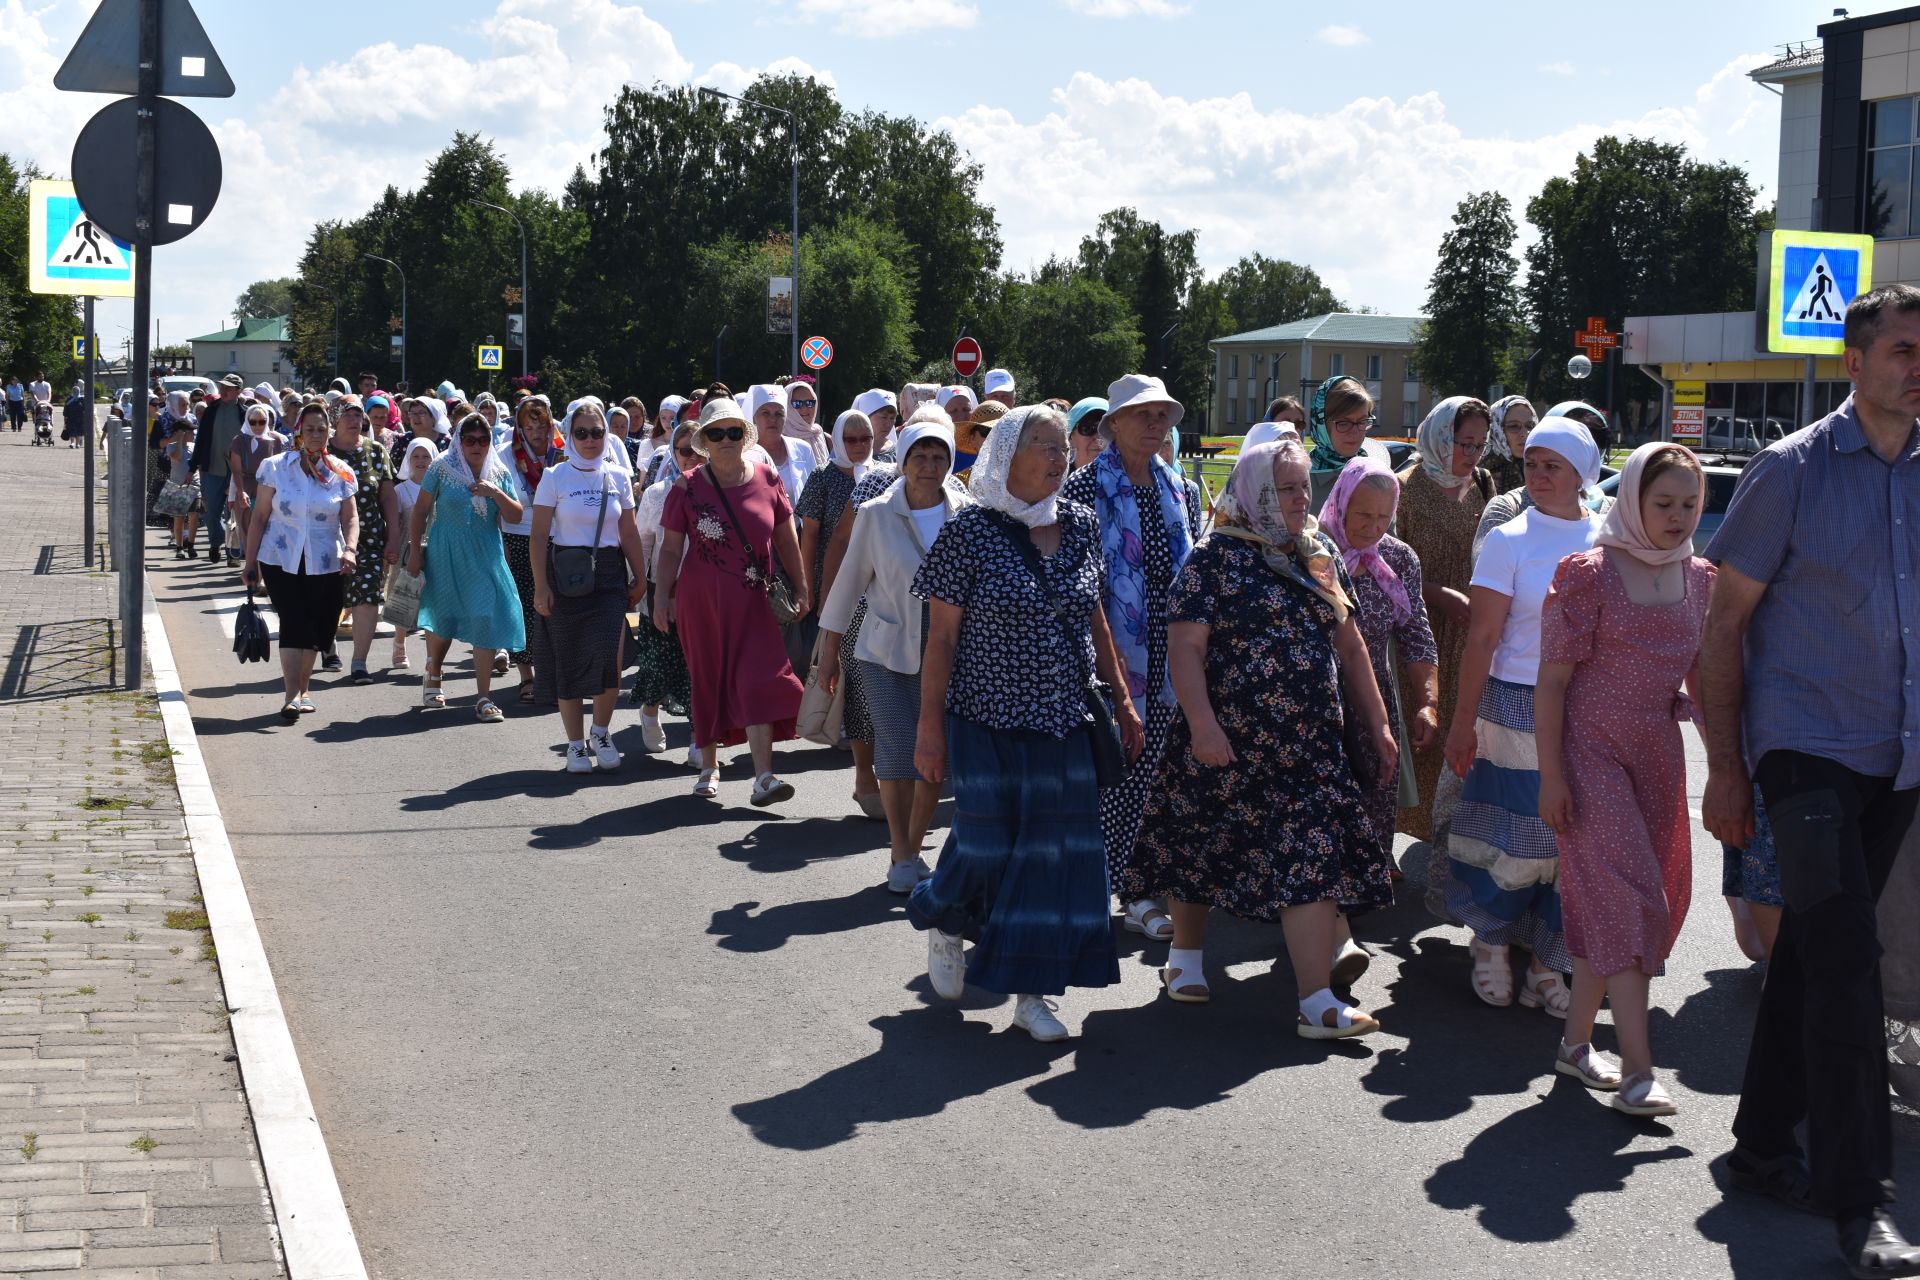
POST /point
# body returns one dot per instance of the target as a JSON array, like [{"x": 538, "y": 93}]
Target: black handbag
[
  {"x": 570, "y": 569},
  {"x": 1103, "y": 730},
  {"x": 779, "y": 591},
  {"x": 252, "y": 641}
]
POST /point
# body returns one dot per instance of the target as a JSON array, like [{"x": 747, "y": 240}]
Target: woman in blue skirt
[
  {"x": 1008, "y": 658},
  {"x": 1502, "y": 861}
]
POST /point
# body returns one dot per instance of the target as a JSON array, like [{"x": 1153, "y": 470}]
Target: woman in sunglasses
[
  {"x": 533, "y": 448},
  {"x": 585, "y": 503},
  {"x": 662, "y": 677},
  {"x": 725, "y": 523},
  {"x": 1083, "y": 429},
  {"x": 469, "y": 595}
]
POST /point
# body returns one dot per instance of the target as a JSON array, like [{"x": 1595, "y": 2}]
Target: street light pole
[
  {"x": 405, "y": 345},
  {"x": 793, "y": 145},
  {"x": 526, "y": 310}
]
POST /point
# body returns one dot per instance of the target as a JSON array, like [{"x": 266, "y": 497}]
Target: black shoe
[
  {"x": 1782, "y": 1178},
  {"x": 1872, "y": 1247},
  {"x": 213, "y": 555},
  {"x": 360, "y": 674},
  {"x": 329, "y": 662}
]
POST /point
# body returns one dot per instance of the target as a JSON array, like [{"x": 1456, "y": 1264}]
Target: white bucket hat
[{"x": 1138, "y": 389}]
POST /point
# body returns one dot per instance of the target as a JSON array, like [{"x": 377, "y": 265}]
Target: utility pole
[
  {"x": 793, "y": 144},
  {"x": 404, "y": 344},
  {"x": 526, "y": 308}
]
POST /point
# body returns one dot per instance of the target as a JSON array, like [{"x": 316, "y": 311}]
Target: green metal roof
[
  {"x": 261, "y": 329},
  {"x": 1338, "y": 326}
]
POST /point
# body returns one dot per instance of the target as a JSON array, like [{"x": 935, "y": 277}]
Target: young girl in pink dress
[{"x": 1619, "y": 633}]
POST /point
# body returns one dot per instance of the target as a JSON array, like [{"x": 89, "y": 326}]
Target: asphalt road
[{"x": 596, "y": 1027}]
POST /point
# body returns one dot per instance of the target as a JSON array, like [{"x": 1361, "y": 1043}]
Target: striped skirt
[
  {"x": 1023, "y": 872},
  {"x": 1502, "y": 861}
]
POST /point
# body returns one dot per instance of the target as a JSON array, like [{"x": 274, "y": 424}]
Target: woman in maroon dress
[{"x": 733, "y": 517}]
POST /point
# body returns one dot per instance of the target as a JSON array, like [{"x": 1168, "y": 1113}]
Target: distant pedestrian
[
  {"x": 177, "y": 456},
  {"x": 822, "y": 504},
  {"x": 406, "y": 492},
  {"x": 16, "y": 402},
  {"x": 1337, "y": 426},
  {"x": 1808, "y": 669},
  {"x": 221, "y": 423},
  {"x": 1504, "y": 460},
  {"x": 1619, "y": 632},
  {"x": 380, "y": 532},
  {"x": 534, "y": 446},
  {"x": 251, "y": 448},
  {"x": 660, "y": 681}
]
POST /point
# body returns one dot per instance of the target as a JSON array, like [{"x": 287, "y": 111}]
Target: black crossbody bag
[
  {"x": 571, "y": 568},
  {"x": 1103, "y": 731}
]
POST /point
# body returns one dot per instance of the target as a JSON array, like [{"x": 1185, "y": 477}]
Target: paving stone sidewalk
[{"x": 126, "y": 1147}]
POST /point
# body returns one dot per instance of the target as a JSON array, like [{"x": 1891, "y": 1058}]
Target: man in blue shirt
[{"x": 1808, "y": 663}]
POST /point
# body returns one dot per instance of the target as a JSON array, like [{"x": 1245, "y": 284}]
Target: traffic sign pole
[
  {"x": 133, "y": 483},
  {"x": 86, "y": 495}
]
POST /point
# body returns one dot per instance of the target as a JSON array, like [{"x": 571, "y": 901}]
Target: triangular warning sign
[
  {"x": 106, "y": 58},
  {"x": 87, "y": 245},
  {"x": 1820, "y": 300}
]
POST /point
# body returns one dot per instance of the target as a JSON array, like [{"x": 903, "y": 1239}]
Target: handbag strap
[
  {"x": 766, "y": 583},
  {"x": 1029, "y": 554},
  {"x": 599, "y": 521}
]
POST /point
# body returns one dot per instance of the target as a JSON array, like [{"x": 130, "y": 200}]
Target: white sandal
[
  {"x": 1546, "y": 991},
  {"x": 1148, "y": 918},
  {"x": 1348, "y": 1020},
  {"x": 1350, "y": 963},
  {"x": 1492, "y": 974},
  {"x": 1641, "y": 1095},
  {"x": 1185, "y": 989},
  {"x": 708, "y": 785},
  {"x": 1588, "y": 1065}
]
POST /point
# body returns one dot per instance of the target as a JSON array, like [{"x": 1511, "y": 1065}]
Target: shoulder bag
[
  {"x": 571, "y": 568},
  {"x": 1103, "y": 731},
  {"x": 779, "y": 592}
]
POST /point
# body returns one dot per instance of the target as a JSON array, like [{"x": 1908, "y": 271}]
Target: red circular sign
[{"x": 967, "y": 357}]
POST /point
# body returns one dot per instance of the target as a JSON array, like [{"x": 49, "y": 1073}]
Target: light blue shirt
[{"x": 1831, "y": 651}]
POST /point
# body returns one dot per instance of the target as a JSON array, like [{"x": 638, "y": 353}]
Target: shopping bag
[
  {"x": 821, "y": 713},
  {"x": 402, "y": 608},
  {"x": 176, "y": 499}
]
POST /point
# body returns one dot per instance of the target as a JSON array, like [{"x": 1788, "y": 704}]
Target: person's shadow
[
  {"x": 1522, "y": 1174},
  {"x": 743, "y": 927}
]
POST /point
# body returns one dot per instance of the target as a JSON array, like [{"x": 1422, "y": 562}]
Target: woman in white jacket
[{"x": 889, "y": 540}]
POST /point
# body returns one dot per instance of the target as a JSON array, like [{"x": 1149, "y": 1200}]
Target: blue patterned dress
[{"x": 469, "y": 594}]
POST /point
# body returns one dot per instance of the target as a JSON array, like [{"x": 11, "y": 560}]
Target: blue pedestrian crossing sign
[
  {"x": 490, "y": 357},
  {"x": 1814, "y": 276},
  {"x": 67, "y": 252},
  {"x": 79, "y": 347}
]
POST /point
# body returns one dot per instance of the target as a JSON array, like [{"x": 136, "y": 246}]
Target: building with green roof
[
  {"x": 255, "y": 348},
  {"x": 1252, "y": 368}
]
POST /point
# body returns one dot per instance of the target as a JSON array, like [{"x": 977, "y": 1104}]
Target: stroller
[{"x": 43, "y": 423}]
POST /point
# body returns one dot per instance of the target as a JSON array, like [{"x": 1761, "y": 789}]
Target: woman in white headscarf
[
  {"x": 468, "y": 595},
  {"x": 426, "y": 420},
  {"x": 1258, "y": 811},
  {"x": 823, "y": 501},
  {"x": 1015, "y": 633},
  {"x": 1513, "y": 417},
  {"x": 803, "y": 406},
  {"x": 1501, "y": 862},
  {"x": 1512, "y": 502}
]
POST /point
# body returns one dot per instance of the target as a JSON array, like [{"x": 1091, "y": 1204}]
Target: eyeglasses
[
  {"x": 715, "y": 435},
  {"x": 478, "y": 439},
  {"x": 589, "y": 433},
  {"x": 1353, "y": 424},
  {"x": 1469, "y": 446}
]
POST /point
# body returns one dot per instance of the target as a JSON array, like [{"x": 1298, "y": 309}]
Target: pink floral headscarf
[{"x": 1367, "y": 560}]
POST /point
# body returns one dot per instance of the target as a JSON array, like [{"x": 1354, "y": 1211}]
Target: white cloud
[
  {"x": 876, "y": 18},
  {"x": 1557, "y": 68},
  {"x": 1340, "y": 36},
  {"x": 1128, "y": 8},
  {"x": 731, "y": 77},
  {"x": 1361, "y": 192}
]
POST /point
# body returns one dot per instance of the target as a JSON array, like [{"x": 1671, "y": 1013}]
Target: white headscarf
[
  {"x": 928, "y": 428},
  {"x": 456, "y": 472},
  {"x": 1266, "y": 432},
  {"x": 989, "y": 477},
  {"x": 1570, "y": 440},
  {"x": 1497, "y": 432},
  {"x": 851, "y": 418},
  {"x": 612, "y": 454},
  {"x": 442, "y": 426},
  {"x": 1435, "y": 443}
]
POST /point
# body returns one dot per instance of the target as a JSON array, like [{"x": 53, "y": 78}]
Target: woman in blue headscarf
[
  {"x": 1337, "y": 424},
  {"x": 1148, "y": 525}
]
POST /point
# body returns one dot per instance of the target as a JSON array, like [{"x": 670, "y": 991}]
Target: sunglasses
[
  {"x": 589, "y": 433},
  {"x": 715, "y": 435},
  {"x": 1089, "y": 425},
  {"x": 686, "y": 451},
  {"x": 803, "y": 404}
]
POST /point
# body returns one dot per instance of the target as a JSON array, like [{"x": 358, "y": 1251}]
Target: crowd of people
[{"x": 1140, "y": 690}]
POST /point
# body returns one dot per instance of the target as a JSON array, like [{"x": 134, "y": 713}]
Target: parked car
[
  {"x": 1742, "y": 435},
  {"x": 188, "y": 383},
  {"x": 1723, "y": 477}
]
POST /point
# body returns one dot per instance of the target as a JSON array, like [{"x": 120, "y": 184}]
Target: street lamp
[
  {"x": 793, "y": 143},
  {"x": 334, "y": 304},
  {"x": 526, "y": 311},
  {"x": 403, "y": 310}
]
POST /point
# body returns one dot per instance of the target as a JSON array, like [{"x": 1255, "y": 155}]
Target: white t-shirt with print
[
  {"x": 1519, "y": 560},
  {"x": 576, "y": 495}
]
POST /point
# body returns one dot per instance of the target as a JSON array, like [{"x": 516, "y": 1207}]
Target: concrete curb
[{"x": 316, "y": 1236}]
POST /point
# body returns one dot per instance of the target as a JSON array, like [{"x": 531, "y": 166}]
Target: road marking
[
  {"x": 227, "y": 610},
  {"x": 316, "y": 1236}
]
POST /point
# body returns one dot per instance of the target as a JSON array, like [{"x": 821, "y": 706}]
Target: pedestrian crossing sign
[
  {"x": 79, "y": 347},
  {"x": 1814, "y": 276},
  {"x": 490, "y": 357},
  {"x": 67, "y": 252}
]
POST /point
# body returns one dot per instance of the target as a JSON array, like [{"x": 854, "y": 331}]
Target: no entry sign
[
  {"x": 816, "y": 353},
  {"x": 967, "y": 357}
]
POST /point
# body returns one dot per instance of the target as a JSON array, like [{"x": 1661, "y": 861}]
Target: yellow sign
[
  {"x": 79, "y": 347},
  {"x": 1690, "y": 393},
  {"x": 490, "y": 358},
  {"x": 1812, "y": 277}
]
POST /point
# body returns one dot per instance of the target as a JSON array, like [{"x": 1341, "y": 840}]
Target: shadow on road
[{"x": 745, "y": 928}]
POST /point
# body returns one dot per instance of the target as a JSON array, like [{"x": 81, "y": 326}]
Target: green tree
[
  {"x": 265, "y": 298},
  {"x": 1473, "y": 306},
  {"x": 1070, "y": 334},
  {"x": 1637, "y": 229},
  {"x": 1260, "y": 292}
]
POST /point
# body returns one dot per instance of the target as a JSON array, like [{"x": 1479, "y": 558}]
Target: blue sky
[{"x": 1341, "y": 139}]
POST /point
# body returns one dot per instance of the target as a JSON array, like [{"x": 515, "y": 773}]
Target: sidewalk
[{"x": 126, "y": 1146}]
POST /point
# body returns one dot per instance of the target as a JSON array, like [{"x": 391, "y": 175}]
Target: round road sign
[
  {"x": 816, "y": 353},
  {"x": 186, "y": 170},
  {"x": 967, "y": 357}
]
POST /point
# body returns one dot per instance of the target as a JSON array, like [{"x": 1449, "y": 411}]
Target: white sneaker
[
  {"x": 605, "y": 754},
  {"x": 947, "y": 964},
  {"x": 921, "y": 869},
  {"x": 579, "y": 760},
  {"x": 653, "y": 738},
  {"x": 768, "y": 789},
  {"x": 902, "y": 876},
  {"x": 693, "y": 756},
  {"x": 1034, "y": 1015}
]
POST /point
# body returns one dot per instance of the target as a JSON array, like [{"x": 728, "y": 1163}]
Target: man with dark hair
[
  {"x": 1808, "y": 665},
  {"x": 369, "y": 383}
]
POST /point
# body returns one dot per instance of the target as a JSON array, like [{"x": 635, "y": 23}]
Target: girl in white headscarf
[{"x": 419, "y": 456}]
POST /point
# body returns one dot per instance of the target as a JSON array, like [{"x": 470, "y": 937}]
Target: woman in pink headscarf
[
  {"x": 1619, "y": 632},
  {"x": 1393, "y": 621}
]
